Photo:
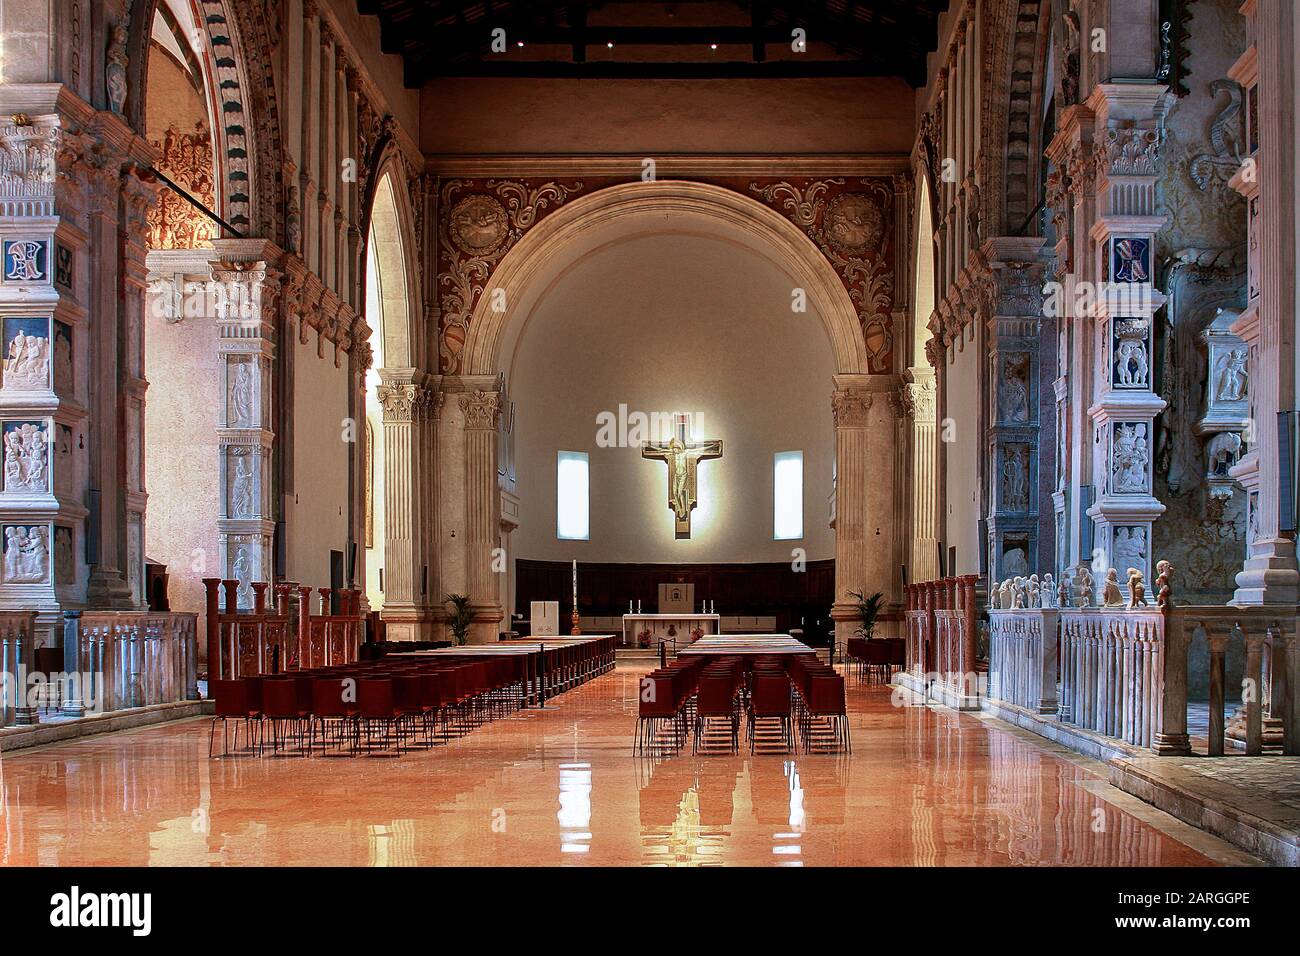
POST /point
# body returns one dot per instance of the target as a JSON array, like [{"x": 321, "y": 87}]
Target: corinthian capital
[
  {"x": 401, "y": 401},
  {"x": 850, "y": 407},
  {"x": 918, "y": 401},
  {"x": 481, "y": 409}
]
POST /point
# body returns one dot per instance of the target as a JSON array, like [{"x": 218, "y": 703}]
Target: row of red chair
[
  {"x": 877, "y": 658},
  {"x": 389, "y": 702},
  {"x": 823, "y": 714},
  {"x": 698, "y": 695}
]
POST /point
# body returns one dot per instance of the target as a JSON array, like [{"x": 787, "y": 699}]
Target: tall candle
[{"x": 575, "y": 584}]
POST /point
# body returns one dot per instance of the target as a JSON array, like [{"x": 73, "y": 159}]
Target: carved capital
[
  {"x": 1128, "y": 152},
  {"x": 918, "y": 401},
  {"x": 402, "y": 401},
  {"x": 482, "y": 410},
  {"x": 850, "y": 407}
]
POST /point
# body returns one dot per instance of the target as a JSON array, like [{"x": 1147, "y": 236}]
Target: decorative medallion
[
  {"x": 853, "y": 223},
  {"x": 478, "y": 225}
]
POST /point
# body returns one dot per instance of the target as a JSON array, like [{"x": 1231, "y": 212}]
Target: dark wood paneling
[{"x": 737, "y": 589}]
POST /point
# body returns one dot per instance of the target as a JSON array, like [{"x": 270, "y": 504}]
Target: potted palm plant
[
  {"x": 459, "y": 615},
  {"x": 869, "y": 608}
]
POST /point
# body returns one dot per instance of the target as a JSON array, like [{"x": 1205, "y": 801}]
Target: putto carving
[
  {"x": 482, "y": 409},
  {"x": 1130, "y": 458},
  {"x": 1013, "y": 394},
  {"x": 1015, "y": 478},
  {"x": 27, "y": 364},
  {"x": 115, "y": 68},
  {"x": 850, "y": 407},
  {"x": 1231, "y": 377},
  {"x": 27, "y": 555},
  {"x": 1132, "y": 364},
  {"x": 26, "y": 458}
]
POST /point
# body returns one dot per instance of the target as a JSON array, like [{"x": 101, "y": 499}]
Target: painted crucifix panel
[{"x": 682, "y": 456}]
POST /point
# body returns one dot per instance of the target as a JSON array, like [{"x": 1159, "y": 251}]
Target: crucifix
[{"x": 682, "y": 456}]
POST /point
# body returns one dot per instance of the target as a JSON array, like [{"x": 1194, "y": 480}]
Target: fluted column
[
  {"x": 482, "y": 413},
  {"x": 850, "y": 407},
  {"x": 1270, "y": 574},
  {"x": 921, "y": 483},
  {"x": 406, "y": 404}
]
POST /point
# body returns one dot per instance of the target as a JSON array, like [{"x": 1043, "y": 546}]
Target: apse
[{"x": 673, "y": 323}]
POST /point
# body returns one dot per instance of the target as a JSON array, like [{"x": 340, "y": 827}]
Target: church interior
[{"x": 627, "y": 433}]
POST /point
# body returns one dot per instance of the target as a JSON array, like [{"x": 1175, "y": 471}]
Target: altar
[{"x": 667, "y": 627}]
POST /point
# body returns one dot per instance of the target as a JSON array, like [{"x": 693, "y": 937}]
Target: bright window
[
  {"x": 787, "y": 496},
  {"x": 572, "y": 488}
]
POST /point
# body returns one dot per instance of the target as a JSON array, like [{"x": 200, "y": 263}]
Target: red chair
[
  {"x": 333, "y": 702},
  {"x": 717, "y": 699},
  {"x": 770, "y": 700},
  {"x": 238, "y": 700},
  {"x": 375, "y": 705},
  {"x": 826, "y": 719},
  {"x": 281, "y": 707}
]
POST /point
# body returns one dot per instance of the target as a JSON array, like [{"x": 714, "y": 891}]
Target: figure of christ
[{"x": 682, "y": 456}]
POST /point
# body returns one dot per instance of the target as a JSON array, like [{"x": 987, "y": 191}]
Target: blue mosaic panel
[{"x": 26, "y": 260}]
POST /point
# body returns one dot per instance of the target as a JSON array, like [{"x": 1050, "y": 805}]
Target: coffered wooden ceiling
[{"x": 641, "y": 39}]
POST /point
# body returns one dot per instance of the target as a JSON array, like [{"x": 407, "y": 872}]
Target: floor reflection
[{"x": 923, "y": 787}]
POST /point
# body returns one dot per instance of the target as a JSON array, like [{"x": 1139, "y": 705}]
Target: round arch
[
  {"x": 388, "y": 225},
  {"x": 640, "y": 208}
]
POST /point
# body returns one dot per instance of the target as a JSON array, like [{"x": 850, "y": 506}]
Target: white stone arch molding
[
  {"x": 390, "y": 219},
  {"x": 924, "y": 212},
  {"x": 638, "y": 208}
]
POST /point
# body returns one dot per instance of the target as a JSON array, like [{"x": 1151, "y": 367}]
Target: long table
[
  {"x": 546, "y": 665},
  {"x": 745, "y": 645}
]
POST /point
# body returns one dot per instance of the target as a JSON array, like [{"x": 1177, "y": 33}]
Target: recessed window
[
  {"x": 572, "y": 494},
  {"x": 787, "y": 496}
]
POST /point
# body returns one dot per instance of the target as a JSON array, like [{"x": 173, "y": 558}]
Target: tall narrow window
[
  {"x": 572, "y": 487},
  {"x": 787, "y": 496}
]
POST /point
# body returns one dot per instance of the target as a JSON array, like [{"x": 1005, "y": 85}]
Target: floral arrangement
[
  {"x": 696, "y": 633},
  {"x": 643, "y": 638}
]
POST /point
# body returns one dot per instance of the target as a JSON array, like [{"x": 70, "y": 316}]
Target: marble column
[
  {"x": 1124, "y": 403},
  {"x": 1270, "y": 574},
  {"x": 920, "y": 485},
  {"x": 1009, "y": 279},
  {"x": 247, "y": 276},
  {"x": 482, "y": 411},
  {"x": 851, "y": 408},
  {"x": 406, "y": 403}
]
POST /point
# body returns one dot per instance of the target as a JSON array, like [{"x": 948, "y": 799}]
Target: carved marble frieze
[{"x": 849, "y": 219}]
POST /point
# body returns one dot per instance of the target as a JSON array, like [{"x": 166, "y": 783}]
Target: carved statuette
[
  {"x": 1137, "y": 589},
  {"x": 1164, "y": 570},
  {"x": 1111, "y": 595}
]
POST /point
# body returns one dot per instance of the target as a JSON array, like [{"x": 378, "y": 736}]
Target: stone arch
[
  {"x": 388, "y": 222},
  {"x": 646, "y": 207},
  {"x": 242, "y": 107}
]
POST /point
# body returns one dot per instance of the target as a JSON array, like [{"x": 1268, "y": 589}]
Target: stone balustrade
[
  {"x": 114, "y": 660},
  {"x": 941, "y": 624},
  {"x": 17, "y": 642},
  {"x": 286, "y": 636},
  {"x": 1123, "y": 673},
  {"x": 1023, "y": 658}
]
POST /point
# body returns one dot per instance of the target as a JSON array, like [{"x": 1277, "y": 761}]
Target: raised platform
[
  {"x": 55, "y": 729},
  {"x": 1252, "y": 802}
]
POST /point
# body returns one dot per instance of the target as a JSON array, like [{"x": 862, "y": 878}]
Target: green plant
[
  {"x": 460, "y": 616},
  {"x": 869, "y": 608}
]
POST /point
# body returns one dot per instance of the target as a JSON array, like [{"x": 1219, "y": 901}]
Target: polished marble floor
[{"x": 924, "y": 787}]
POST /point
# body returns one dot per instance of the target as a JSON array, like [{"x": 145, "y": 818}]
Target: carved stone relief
[
  {"x": 1130, "y": 456},
  {"x": 26, "y": 555},
  {"x": 1013, "y": 388},
  {"x": 26, "y": 457},
  {"x": 65, "y": 564}
]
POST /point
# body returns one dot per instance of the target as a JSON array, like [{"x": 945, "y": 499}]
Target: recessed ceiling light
[
  {"x": 610, "y": 44},
  {"x": 713, "y": 46},
  {"x": 519, "y": 43}
]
